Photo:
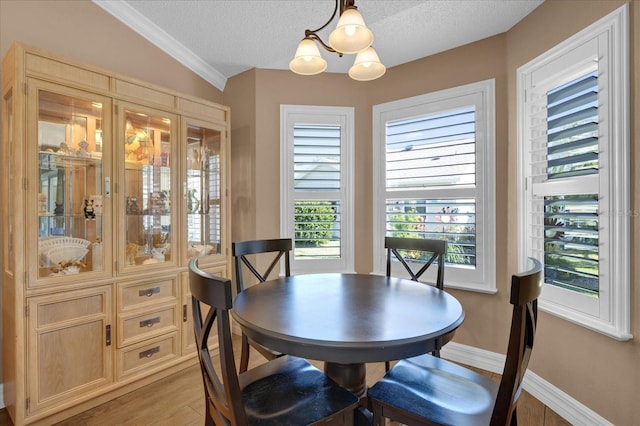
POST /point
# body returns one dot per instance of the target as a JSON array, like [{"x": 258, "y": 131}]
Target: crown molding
[{"x": 157, "y": 36}]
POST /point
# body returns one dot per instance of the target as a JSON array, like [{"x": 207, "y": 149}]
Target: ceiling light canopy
[{"x": 351, "y": 36}]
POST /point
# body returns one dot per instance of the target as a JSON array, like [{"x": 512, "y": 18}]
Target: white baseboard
[
  {"x": 1, "y": 396},
  {"x": 568, "y": 408}
]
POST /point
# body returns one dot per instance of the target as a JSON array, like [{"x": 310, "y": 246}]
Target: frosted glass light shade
[
  {"x": 351, "y": 35},
  {"x": 367, "y": 66},
  {"x": 307, "y": 60}
]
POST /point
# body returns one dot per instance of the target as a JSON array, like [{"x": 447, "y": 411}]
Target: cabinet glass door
[
  {"x": 147, "y": 139},
  {"x": 203, "y": 189},
  {"x": 69, "y": 198}
]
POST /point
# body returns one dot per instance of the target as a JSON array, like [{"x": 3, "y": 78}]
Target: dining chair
[
  {"x": 285, "y": 391},
  {"x": 275, "y": 250},
  {"x": 435, "y": 249},
  {"x": 429, "y": 390}
]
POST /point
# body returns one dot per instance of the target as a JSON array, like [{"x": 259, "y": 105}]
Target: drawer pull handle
[
  {"x": 149, "y": 291},
  {"x": 149, "y": 352},
  {"x": 149, "y": 322}
]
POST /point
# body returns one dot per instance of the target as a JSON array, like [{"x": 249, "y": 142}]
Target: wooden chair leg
[
  {"x": 514, "y": 417},
  {"x": 208, "y": 421},
  {"x": 387, "y": 365},
  {"x": 244, "y": 357},
  {"x": 378, "y": 420}
]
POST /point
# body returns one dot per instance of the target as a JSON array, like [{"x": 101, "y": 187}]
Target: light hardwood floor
[{"x": 178, "y": 400}]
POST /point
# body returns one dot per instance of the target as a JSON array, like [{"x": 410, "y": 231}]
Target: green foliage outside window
[
  {"x": 314, "y": 223},
  {"x": 410, "y": 224}
]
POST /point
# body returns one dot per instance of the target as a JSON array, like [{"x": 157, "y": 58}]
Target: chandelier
[{"x": 351, "y": 36}]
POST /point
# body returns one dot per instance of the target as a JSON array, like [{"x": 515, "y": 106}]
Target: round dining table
[{"x": 347, "y": 320}]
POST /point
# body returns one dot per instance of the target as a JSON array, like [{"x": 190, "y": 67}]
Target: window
[
  {"x": 434, "y": 178},
  {"x": 316, "y": 182},
  {"x": 574, "y": 175}
]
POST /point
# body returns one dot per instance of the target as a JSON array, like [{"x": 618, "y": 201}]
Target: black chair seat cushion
[
  {"x": 291, "y": 391},
  {"x": 436, "y": 389}
]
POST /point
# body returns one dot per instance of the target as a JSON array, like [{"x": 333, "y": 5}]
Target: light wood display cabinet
[{"x": 109, "y": 186}]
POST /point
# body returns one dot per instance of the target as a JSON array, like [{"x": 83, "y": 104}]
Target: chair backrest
[
  {"x": 279, "y": 247},
  {"x": 437, "y": 248},
  {"x": 525, "y": 290},
  {"x": 220, "y": 391}
]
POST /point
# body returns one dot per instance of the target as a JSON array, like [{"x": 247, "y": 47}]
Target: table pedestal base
[{"x": 350, "y": 376}]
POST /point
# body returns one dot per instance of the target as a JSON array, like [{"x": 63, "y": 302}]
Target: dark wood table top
[{"x": 347, "y": 318}]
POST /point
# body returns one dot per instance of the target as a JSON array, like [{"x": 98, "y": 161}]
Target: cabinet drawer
[
  {"x": 136, "y": 294},
  {"x": 147, "y": 354},
  {"x": 136, "y": 327}
]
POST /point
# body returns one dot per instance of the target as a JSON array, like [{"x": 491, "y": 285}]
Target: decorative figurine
[
  {"x": 42, "y": 203},
  {"x": 192, "y": 201},
  {"x": 132, "y": 205},
  {"x": 64, "y": 148},
  {"x": 89, "y": 212},
  {"x": 82, "y": 148},
  {"x": 131, "y": 251},
  {"x": 59, "y": 209}
]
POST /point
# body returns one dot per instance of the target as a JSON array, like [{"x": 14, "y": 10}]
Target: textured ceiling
[{"x": 221, "y": 38}]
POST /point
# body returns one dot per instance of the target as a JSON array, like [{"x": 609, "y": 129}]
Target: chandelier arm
[
  {"x": 335, "y": 10},
  {"x": 313, "y": 36}
]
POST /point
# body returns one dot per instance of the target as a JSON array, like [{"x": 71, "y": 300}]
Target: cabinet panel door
[
  {"x": 70, "y": 351},
  {"x": 68, "y": 196}
]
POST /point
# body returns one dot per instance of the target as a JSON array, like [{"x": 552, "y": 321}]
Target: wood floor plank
[
  {"x": 5, "y": 419},
  {"x": 530, "y": 410}
]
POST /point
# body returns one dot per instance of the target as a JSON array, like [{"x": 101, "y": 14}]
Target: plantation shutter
[
  {"x": 317, "y": 173},
  {"x": 316, "y": 160},
  {"x": 565, "y": 167},
  {"x": 434, "y": 151}
]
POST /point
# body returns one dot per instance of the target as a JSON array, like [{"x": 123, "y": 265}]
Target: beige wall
[
  {"x": 596, "y": 370},
  {"x": 274, "y": 88},
  {"x": 240, "y": 96}
]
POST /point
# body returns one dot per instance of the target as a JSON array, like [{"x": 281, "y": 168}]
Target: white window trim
[
  {"x": 304, "y": 114},
  {"x": 614, "y": 317},
  {"x": 482, "y": 279}
]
